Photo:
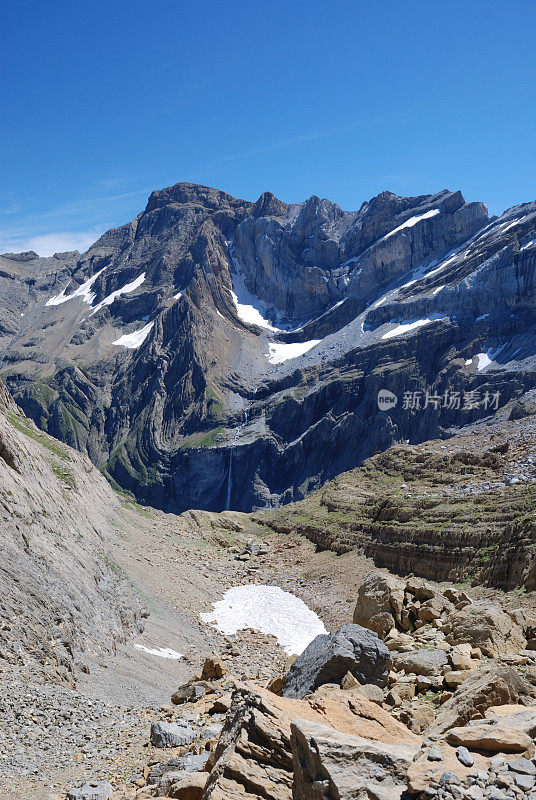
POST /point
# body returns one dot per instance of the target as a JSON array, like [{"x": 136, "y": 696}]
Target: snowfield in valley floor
[{"x": 269, "y": 610}]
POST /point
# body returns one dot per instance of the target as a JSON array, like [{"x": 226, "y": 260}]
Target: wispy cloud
[
  {"x": 14, "y": 208},
  {"x": 313, "y": 136},
  {"x": 73, "y": 225},
  {"x": 55, "y": 242}
]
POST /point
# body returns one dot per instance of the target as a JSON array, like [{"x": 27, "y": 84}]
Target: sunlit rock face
[{"x": 220, "y": 353}]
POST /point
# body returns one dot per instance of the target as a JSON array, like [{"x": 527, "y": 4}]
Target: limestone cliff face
[
  {"x": 221, "y": 353},
  {"x": 60, "y": 599},
  {"x": 457, "y": 509}
]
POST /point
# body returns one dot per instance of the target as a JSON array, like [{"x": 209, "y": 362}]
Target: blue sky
[{"x": 103, "y": 102}]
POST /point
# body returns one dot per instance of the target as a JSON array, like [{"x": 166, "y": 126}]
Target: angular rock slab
[
  {"x": 330, "y": 656},
  {"x": 171, "y": 734},
  {"x": 492, "y": 737},
  {"x": 329, "y": 764},
  {"x": 489, "y": 686},
  {"x": 421, "y": 662},
  {"x": 92, "y": 790},
  {"x": 253, "y": 756}
]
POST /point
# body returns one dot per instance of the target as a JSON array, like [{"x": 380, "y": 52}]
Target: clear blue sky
[{"x": 102, "y": 102}]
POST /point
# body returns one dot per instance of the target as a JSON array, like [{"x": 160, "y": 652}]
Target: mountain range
[{"x": 216, "y": 353}]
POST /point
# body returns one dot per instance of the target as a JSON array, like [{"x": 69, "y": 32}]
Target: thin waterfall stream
[{"x": 235, "y": 439}]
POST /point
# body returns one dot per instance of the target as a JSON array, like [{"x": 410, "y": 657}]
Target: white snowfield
[
  {"x": 409, "y": 223},
  {"x": 163, "y": 652},
  {"x": 251, "y": 315},
  {"x": 135, "y": 339},
  {"x": 280, "y": 352},
  {"x": 83, "y": 291},
  {"x": 483, "y": 360},
  {"x": 411, "y": 325},
  {"x": 269, "y": 610},
  {"x": 128, "y": 287}
]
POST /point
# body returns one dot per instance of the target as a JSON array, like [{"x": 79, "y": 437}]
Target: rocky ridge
[{"x": 213, "y": 337}]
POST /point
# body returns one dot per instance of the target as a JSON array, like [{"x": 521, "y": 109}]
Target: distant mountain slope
[
  {"x": 217, "y": 353},
  {"x": 60, "y": 599},
  {"x": 460, "y": 509}
]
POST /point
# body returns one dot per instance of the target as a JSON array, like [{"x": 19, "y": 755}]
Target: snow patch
[
  {"x": 83, "y": 291},
  {"x": 128, "y": 287},
  {"x": 280, "y": 352},
  {"x": 163, "y": 652},
  {"x": 438, "y": 289},
  {"x": 411, "y": 325},
  {"x": 251, "y": 315},
  {"x": 507, "y": 226},
  {"x": 483, "y": 360},
  {"x": 178, "y": 295},
  {"x": 269, "y": 610},
  {"x": 529, "y": 244},
  {"x": 409, "y": 223},
  {"x": 135, "y": 339}
]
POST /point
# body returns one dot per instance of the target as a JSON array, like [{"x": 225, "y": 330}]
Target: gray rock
[
  {"x": 464, "y": 756},
  {"x": 92, "y": 790},
  {"x": 525, "y": 782},
  {"x": 523, "y": 765},
  {"x": 211, "y": 731},
  {"x": 421, "y": 662},
  {"x": 496, "y": 794},
  {"x": 171, "y": 734},
  {"x": 330, "y": 656},
  {"x": 435, "y": 754},
  {"x": 448, "y": 779}
]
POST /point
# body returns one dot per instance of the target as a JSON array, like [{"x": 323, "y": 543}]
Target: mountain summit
[{"x": 218, "y": 353}]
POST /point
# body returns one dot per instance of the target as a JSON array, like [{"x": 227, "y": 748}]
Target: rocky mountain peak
[{"x": 215, "y": 337}]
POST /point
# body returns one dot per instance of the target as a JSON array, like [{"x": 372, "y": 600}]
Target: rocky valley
[{"x": 267, "y": 505}]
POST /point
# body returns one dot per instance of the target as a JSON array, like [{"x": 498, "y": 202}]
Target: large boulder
[
  {"x": 380, "y": 600},
  {"x": 329, "y": 764},
  {"x": 385, "y": 602},
  {"x": 492, "y": 736},
  {"x": 189, "y": 787},
  {"x": 331, "y": 656},
  {"x": 253, "y": 756},
  {"x": 485, "y": 625},
  {"x": 492, "y": 685}
]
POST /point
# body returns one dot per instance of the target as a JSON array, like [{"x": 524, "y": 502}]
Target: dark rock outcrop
[{"x": 331, "y": 656}]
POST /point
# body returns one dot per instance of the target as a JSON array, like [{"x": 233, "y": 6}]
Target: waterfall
[{"x": 235, "y": 439}]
